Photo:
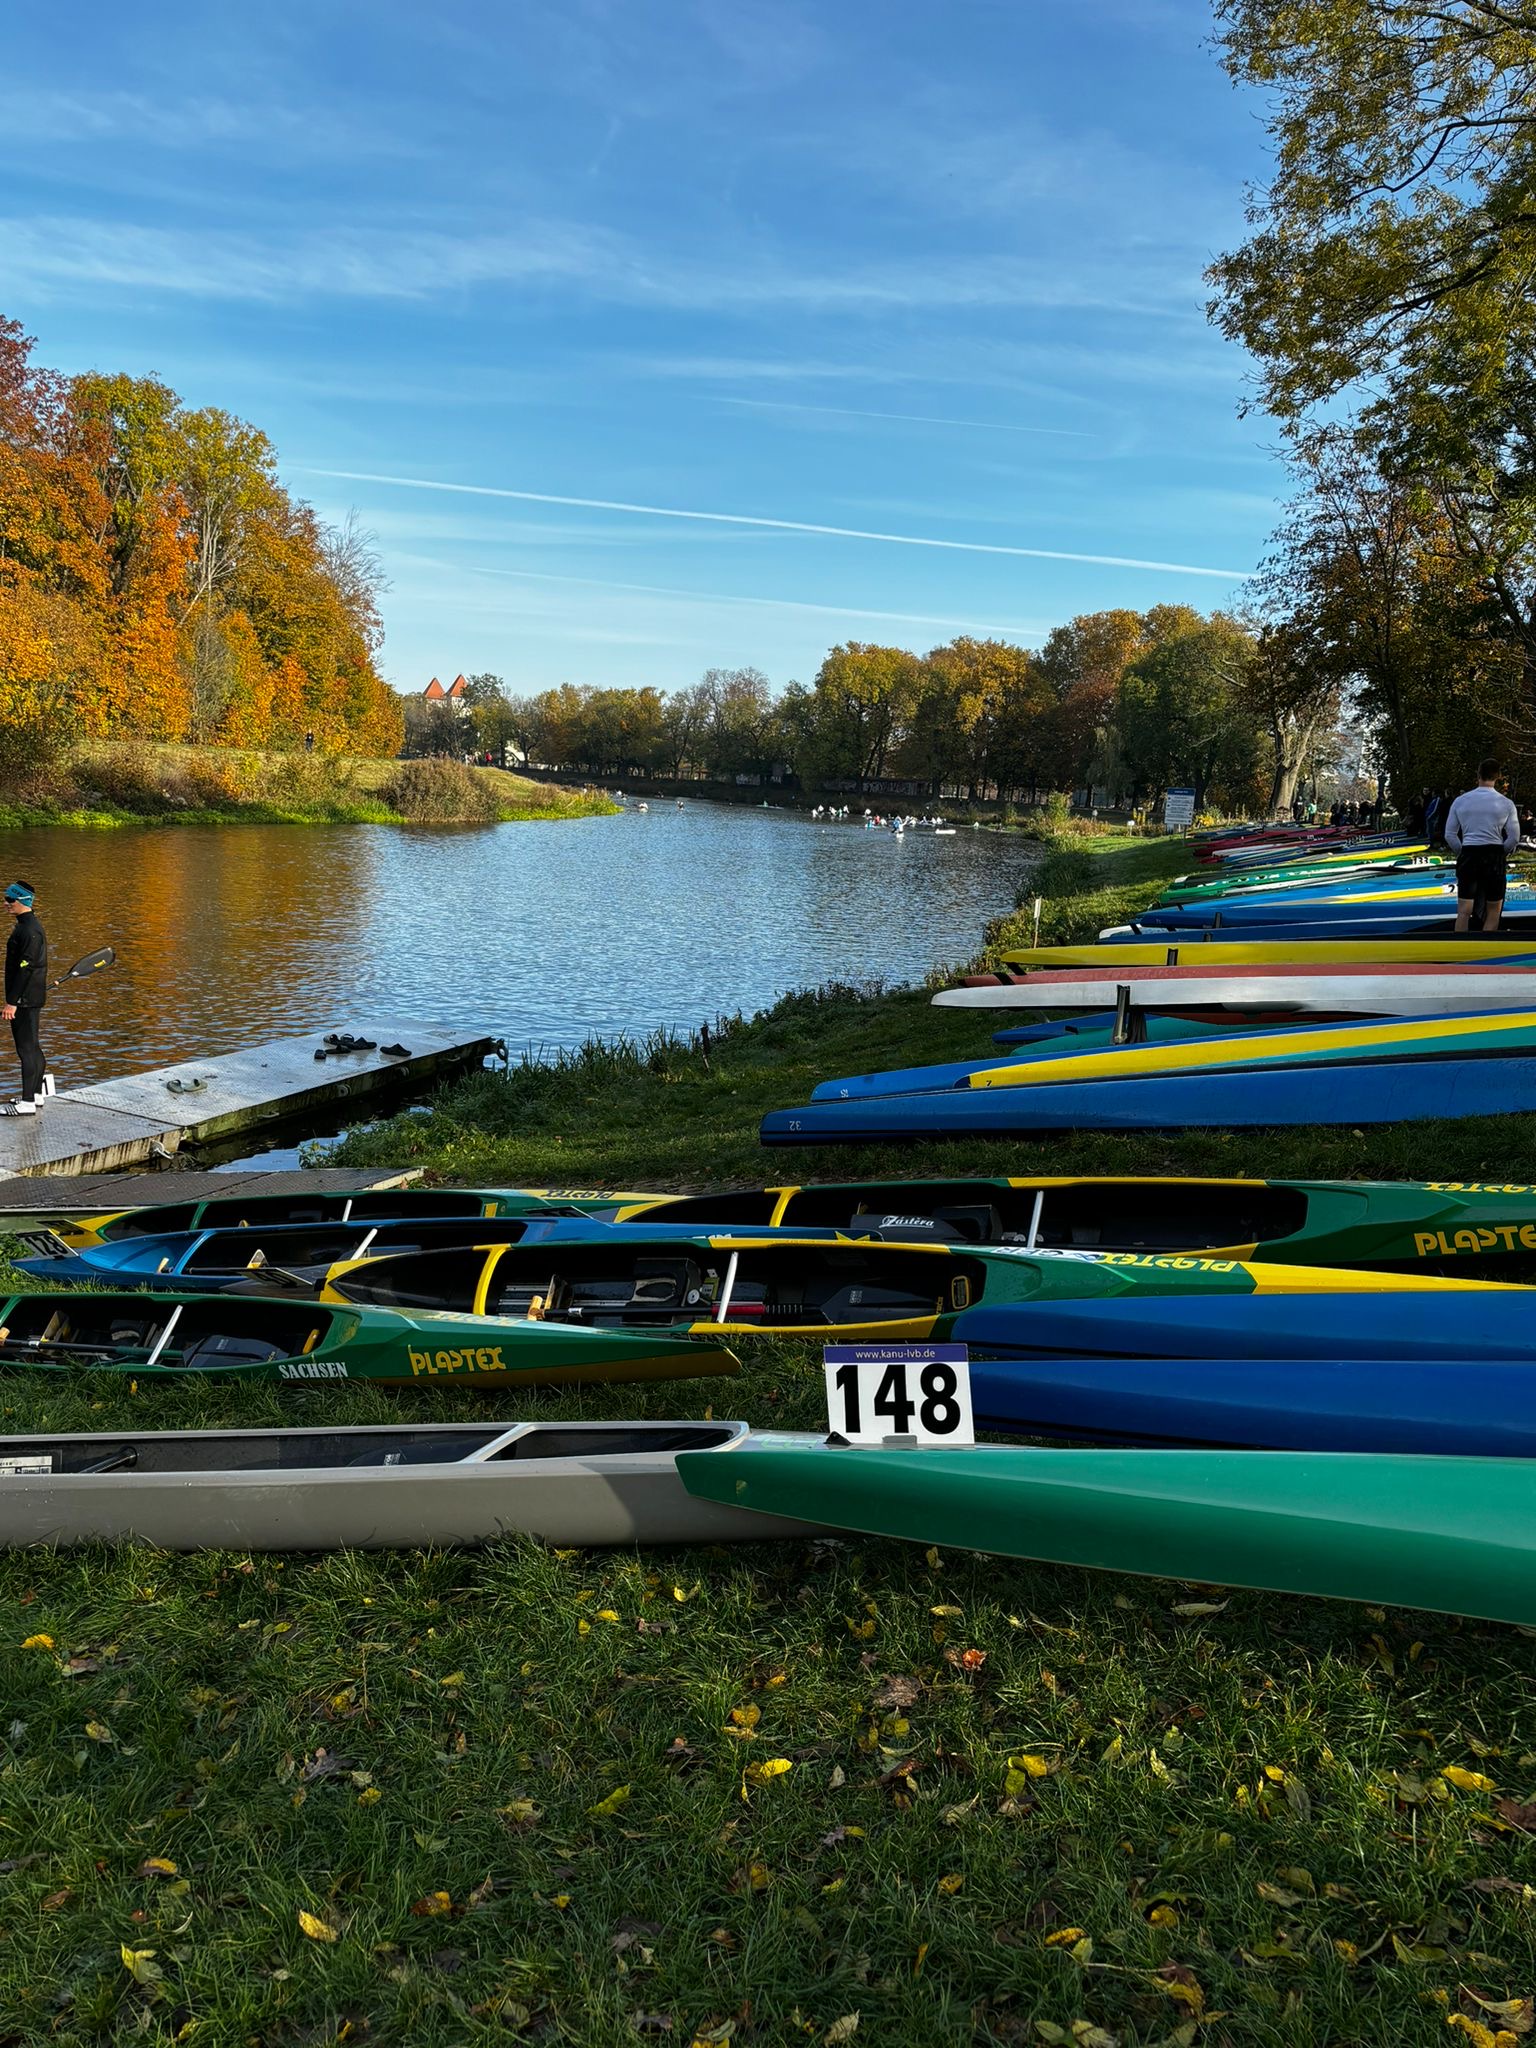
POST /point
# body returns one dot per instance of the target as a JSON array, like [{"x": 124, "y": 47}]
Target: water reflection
[{"x": 542, "y": 933}]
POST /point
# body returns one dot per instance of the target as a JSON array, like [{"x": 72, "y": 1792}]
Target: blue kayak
[
  {"x": 1052, "y": 1041},
  {"x": 1391, "y": 911},
  {"x": 1468, "y": 1407},
  {"x": 1380, "y": 1091},
  {"x": 1453, "y": 1327}
]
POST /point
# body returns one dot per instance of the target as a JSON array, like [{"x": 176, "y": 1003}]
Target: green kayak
[
  {"x": 724, "y": 1286},
  {"x": 1455, "y": 1534},
  {"x": 254, "y": 1337}
]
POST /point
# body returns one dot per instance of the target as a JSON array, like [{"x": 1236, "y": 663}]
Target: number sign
[{"x": 918, "y": 1391}]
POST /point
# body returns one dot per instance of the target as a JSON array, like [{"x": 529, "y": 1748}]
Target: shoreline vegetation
[
  {"x": 105, "y": 785},
  {"x": 834, "y": 1791}
]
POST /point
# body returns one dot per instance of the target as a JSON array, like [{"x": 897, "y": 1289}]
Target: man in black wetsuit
[{"x": 26, "y": 990}]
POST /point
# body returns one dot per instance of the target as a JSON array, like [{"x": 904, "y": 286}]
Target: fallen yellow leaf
[
  {"x": 98, "y": 1731},
  {"x": 141, "y": 1965},
  {"x": 952, "y": 1883},
  {"x": 1064, "y": 1937},
  {"x": 1466, "y": 1781},
  {"x": 38, "y": 1643},
  {"x": 1163, "y": 1916},
  {"x": 607, "y": 1614},
  {"x": 746, "y": 1717},
  {"x": 843, "y": 2029},
  {"x": 773, "y": 1767},
  {"x": 432, "y": 1905},
  {"x": 369, "y": 1796},
  {"x": 157, "y": 1866},
  {"x": 316, "y": 1928},
  {"x": 611, "y": 1804},
  {"x": 945, "y": 1612}
]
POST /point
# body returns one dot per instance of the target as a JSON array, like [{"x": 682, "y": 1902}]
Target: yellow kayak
[{"x": 1406, "y": 1038}]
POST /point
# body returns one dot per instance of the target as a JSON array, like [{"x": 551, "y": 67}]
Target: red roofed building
[{"x": 456, "y": 694}]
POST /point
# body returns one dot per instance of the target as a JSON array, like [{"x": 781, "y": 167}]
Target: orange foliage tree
[{"x": 157, "y": 580}]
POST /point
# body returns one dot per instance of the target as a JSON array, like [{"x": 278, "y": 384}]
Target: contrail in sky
[
  {"x": 903, "y": 540},
  {"x": 921, "y": 419}
]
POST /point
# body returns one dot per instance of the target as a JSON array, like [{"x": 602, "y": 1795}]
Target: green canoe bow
[{"x": 1454, "y": 1534}]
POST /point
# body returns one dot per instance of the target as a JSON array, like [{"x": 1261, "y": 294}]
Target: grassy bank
[
  {"x": 517, "y": 1796},
  {"x": 104, "y": 785}
]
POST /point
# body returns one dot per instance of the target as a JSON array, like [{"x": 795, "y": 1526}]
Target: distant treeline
[
  {"x": 156, "y": 579},
  {"x": 1129, "y": 702}
]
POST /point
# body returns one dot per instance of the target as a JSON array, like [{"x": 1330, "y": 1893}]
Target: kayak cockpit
[{"x": 143, "y": 1329}]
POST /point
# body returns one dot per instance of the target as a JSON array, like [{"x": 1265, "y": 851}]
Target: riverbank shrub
[{"x": 440, "y": 793}]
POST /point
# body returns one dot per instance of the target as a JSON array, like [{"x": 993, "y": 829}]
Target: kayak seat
[
  {"x": 222, "y": 1347},
  {"x": 955, "y": 1223}
]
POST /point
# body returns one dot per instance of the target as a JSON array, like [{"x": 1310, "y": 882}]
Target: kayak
[
  {"x": 1053, "y": 1043},
  {"x": 1389, "y": 1324},
  {"x": 728, "y": 1286},
  {"x": 394, "y": 1487},
  {"x": 368, "y": 1206},
  {"x": 1492, "y": 1034},
  {"x": 1198, "y": 949},
  {"x": 1313, "y": 926},
  {"x": 1454, "y": 1534},
  {"x": 166, "y": 1336},
  {"x": 278, "y": 1254},
  {"x": 1320, "y": 1223},
  {"x": 1431, "y": 910},
  {"x": 1468, "y": 1406},
  {"x": 1378, "y": 1091},
  {"x": 212, "y": 1258},
  {"x": 1166, "y": 992}
]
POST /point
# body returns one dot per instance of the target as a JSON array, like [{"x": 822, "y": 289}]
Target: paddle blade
[{"x": 104, "y": 956}]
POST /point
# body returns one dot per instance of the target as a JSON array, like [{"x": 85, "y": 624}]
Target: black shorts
[{"x": 1481, "y": 871}]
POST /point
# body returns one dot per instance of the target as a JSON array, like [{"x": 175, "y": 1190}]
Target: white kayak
[
  {"x": 383, "y": 1487},
  {"x": 1367, "y": 995}
]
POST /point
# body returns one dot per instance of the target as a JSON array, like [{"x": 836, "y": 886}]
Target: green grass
[
  {"x": 105, "y": 784},
  {"x": 1240, "y": 1805}
]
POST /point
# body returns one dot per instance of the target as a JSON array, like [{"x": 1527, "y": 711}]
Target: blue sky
[{"x": 895, "y": 269}]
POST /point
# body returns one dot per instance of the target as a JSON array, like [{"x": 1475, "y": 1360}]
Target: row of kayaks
[
  {"x": 1308, "y": 992},
  {"x": 1265, "y": 1422},
  {"x": 1451, "y": 1533}
]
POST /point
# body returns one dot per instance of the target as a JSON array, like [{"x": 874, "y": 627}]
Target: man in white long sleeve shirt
[{"x": 1482, "y": 830}]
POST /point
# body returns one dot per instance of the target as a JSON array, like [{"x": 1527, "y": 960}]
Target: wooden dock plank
[
  {"x": 141, "y": 1119},
  {"x": 94, "y": 1194}
]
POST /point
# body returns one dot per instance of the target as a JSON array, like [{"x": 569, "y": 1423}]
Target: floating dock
[{"x": 146, "y": 1119}]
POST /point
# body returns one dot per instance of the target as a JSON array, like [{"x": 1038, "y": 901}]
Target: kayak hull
[
  {"x": 1462, "y": 1407},
  {"x": 1380, "y": 1091},
  {"x": 1453, "y": 1534},
  {"x": 316, "y": 1489},
  {"x": 1388, "y": 1324}
]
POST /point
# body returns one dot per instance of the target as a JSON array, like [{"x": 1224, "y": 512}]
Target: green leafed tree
[{"x": 1181, "y": 714}]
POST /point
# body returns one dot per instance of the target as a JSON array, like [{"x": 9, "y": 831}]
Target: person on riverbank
[
  {"x": 1482, "y": 829},
  {"x": 26, "y": 990}
]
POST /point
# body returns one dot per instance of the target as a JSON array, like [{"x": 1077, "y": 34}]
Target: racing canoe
[
  {"x": 1453, "y": 1534},
  {"x": 1485, "y": 1034},
  {"x": 727, "y": 1286},
  {"x": 236, "y": 1212},
  {"x": 1381, "y": 1091},
  {"x": 394, "y": 1487},
  {"x": 227, "y": 1336},
  {"x": 1468, "y": 1406},
  {"x": 1364, "y": 991},
  {"x": 1404, "y": 1326},
  {"x": 1319, "y": 1223}
]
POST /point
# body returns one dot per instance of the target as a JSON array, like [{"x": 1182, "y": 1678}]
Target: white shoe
[
  {"x": 18, "y": 1109},
  {"x": 48, "y": 1085}
]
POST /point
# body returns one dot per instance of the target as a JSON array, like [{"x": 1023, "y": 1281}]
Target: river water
[{"x": 541, "y": 933}]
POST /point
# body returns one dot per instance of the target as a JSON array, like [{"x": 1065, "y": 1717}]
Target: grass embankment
[
  {"x": 520, "y": 1793},
  {"x": 123, "y": 784}
]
